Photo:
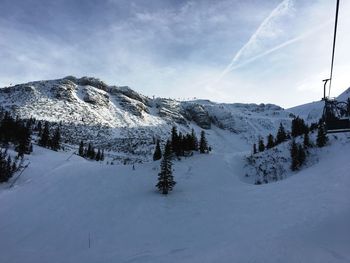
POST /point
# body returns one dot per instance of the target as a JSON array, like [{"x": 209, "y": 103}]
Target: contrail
[
  {"x": 281, "y": 9},
  {"x": 287, "y": 43}
]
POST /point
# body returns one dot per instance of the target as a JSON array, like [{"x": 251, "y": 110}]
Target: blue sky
[{"x": 275, "y": 51}]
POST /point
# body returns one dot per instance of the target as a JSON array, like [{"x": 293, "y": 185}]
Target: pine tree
[
  {"x": 55, "y": 142},
  {"x": 181, "y": 145},
  {"x": 313, "y": 126},
  {"x": 299, "y": 127},
  {"x": 39, "y": 128},
  {"x": 294, "y": 155},
  {"x": 165, "y": 177},
  {"x": 45, "y": 136},
  {"x": 306, "y": 141},
  {"x": 281, "y": 134},
  {"x": 194, "y": 141},
  {"x": 81, "y": 149},
  {"x": 98, "y": 155},
  {"x": 203, "y": 144},
  {"x": 270, "y": 141},
  {"x": 93, "y": 154},
  {"x": 301, "y": 155},
  {"x": 157, "y": 152},
  {"x": 261, "y": 145},
  {"x": 175, "y": 141},
  {"x": 6, "y": 166},
  {"x": 102, "y": 155},
  {"x": 187, "y": 143},
  {"x": 24, "y": 140},
  {"x": 3, "y": 176},
  {"x": 321, "y": 136},
  {"x": 89, "y": 151}
]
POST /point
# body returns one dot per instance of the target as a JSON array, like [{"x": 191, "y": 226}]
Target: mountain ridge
[{"x": 113, "y": 117}]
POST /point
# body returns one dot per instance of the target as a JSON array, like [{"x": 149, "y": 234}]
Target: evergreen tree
[
  {"x": 98, "y": 155},
  {"x": 165, "y": 177},
  {"x": 24, "y": 140},
  {"x": 270, "y": 141},
  {"x": 39, "y": 128},
  {"x": 81, "y": 149},
  {"x": 321, "y": 136},
  {"x": 187, "y": 143},
  {"x": 3, "y": 175},
  {"x": 158, "y": 152},
  {"x": 55, "y": 142},
  {"x": 14, "y": 167},
  {"x": 181, "y": 145},
  {"x": 313, "y": 126},
  {"x": 45, "y": 136},
  {"x": 90, "y": 152},
  {"x": 194, "y": 141},
  {"x": 93, "y": 154},
  {"x": 102, "y": 155},
  {"x": 175, "y": 141},
  {"x": 85, "y": 152},
  {"x": 281, "y": 134},
  {"x": 261, "y": 145},
  {"x": 31, "y": 148},
  {"x": 301, "y": 155},
  {"x": 299, "y": 127},
  {"x": 7, "y": 167},
  {"x": 306, "y": 142},
  {"x": 294, "y": 154},
  {"x": 203, "y": 144}
]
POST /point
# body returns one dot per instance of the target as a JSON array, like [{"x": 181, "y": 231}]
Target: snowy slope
[
  {"x": 249, "y": 120},
  {"x": 66, "y": 209},
  {"x": 274, "y": 164},
  {"x": 211, "y": 216}
]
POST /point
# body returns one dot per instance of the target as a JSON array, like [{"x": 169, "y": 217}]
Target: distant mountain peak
[{"x": 344, "y": 95}]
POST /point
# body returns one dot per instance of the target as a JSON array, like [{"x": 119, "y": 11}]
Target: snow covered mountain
[
  {"x": 64, "y": 208},
  {"x": 116, "y": 117}
]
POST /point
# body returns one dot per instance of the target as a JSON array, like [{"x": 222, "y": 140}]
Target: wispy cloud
[{"x": 175, "y": 48}]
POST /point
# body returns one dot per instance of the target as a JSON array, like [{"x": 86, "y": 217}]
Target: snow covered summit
[{"x": 114, "y": 117}]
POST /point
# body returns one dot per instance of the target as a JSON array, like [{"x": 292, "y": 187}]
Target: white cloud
[{"x": 281, "y": 51}]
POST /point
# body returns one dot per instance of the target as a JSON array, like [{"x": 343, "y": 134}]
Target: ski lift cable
[{"x": 333, "y": 52}]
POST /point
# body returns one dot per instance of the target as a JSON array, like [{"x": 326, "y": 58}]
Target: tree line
[
  {"x": 298, "y": 151},
  {"x": 49, "y": 138},
  {"x": 178, "y": 145},
  {"x": 183, "y": 144},
  {"x": 89, "y": 152},
  {"x": 17, "y": 132},
  {"x": 7, "y": 166}
]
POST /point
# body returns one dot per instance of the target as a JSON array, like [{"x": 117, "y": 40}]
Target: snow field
[{"x": 211, "y": 216}]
